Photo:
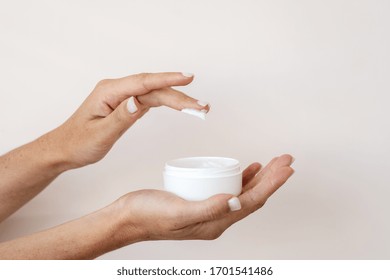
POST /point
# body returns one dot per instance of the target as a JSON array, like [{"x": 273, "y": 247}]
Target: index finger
[
  {"x": 138, "y": 84},
  {"x": 114, "y": 91}
]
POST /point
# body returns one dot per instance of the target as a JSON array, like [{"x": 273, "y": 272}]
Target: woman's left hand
[{"x": 155, "y": 215}]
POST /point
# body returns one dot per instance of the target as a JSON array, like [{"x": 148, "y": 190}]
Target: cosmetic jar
[{"x": 198, "y": 178}]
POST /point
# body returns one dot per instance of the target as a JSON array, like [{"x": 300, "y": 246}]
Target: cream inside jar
[{"x": 198, "y": 178}]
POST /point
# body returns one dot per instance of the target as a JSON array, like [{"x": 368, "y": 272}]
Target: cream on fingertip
[{"x": 194, "y": 112}]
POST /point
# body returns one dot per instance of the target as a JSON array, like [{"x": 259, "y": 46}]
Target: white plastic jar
[{"x": 198, "y": 178}]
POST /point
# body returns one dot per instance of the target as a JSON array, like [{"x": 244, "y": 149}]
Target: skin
[{"x": 85, "y": 138}]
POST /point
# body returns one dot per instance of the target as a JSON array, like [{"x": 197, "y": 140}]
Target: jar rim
[{"x": 211, "y": 166}]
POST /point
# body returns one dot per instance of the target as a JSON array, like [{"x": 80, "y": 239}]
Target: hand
[
  {"x": 156, "y": 215},
  {"x": 151, "y": 215},
  {"x": 112, "y": 107}
]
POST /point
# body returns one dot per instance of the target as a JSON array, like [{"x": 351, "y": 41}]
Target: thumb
[
  {"x": 213, "y": 208},
  {"x": 124, "y": 116}
]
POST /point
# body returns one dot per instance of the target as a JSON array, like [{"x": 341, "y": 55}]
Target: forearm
[
  {"x": 84, "y": 238},
  {"x": 26, "y": 171}
]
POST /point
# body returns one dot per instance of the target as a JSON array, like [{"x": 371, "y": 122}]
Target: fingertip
[
  {"x": 290, "y": 157},
  {"x": 286, "y": 156},
  {"x": 284, "y": 160},
  {"x": 188, "y": 74},
  {"x": 186, "y": 78},
  {"x": 195, "y": 107},
  {"x": 194, "y": 112},
  {"x": 251, "y": 170},
  {"x": 256, "y": 166}
]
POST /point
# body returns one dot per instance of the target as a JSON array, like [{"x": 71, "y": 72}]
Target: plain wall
[{"x": 310, "y": 78}]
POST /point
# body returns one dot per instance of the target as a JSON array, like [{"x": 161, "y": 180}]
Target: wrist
[
  {"x": 101, "y": 232},
  {"x": 53, "y": 152},
  {"x": 123, "y": 230}
]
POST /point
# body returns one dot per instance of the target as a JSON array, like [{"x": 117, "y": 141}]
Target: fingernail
[
  {"x": 194, "y": 112},
  {"x": 131, "y": 107},
  {"x": 202, "y": 103},
  {"x": 292, "y": 160},
  {"x": 234, "y": 204},
  {"x": 188, "y": 75}
]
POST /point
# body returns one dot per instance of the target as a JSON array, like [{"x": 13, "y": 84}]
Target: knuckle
[
  {"x": 142, "y": 75},
  {"x": 252, "y": 197},
  {"x": 103, "y": 85},
  {"x": 257, "y": 200},
  {"x": 143, "y": 80}
]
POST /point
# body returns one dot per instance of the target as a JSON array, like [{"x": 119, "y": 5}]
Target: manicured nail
[
  {"x": 203, "y": 103},
  {"x": 195, "y": 113},
  {"x": 234, "y": 204},
  {"x": 292, "y": 160},
  {"x": 188, "y": 75},
  {"x": 131, "y": 107}
]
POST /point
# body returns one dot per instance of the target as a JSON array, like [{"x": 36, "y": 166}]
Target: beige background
[{"x": 306, "y": 77}]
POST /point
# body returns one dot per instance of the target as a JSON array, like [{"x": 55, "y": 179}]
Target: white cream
[
  {"x": 200, "y": 114},
  {"x": 198, "y": 178}
]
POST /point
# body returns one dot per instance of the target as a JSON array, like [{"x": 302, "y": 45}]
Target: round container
[{"x": 198, "y": 178}]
